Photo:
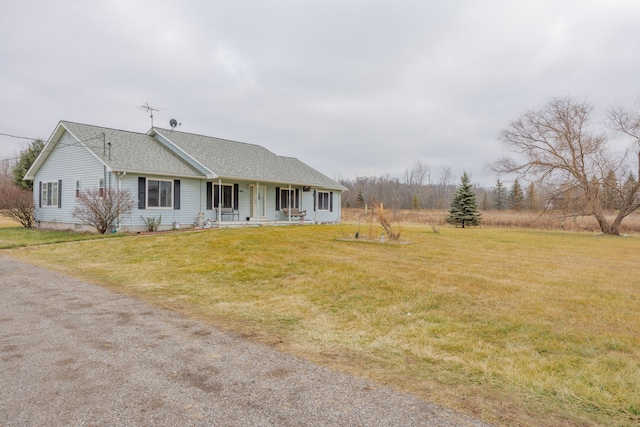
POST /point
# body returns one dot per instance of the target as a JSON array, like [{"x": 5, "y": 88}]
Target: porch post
[
  {"x": 289, "y": 203},
  {"x": 219, "y": 214}
]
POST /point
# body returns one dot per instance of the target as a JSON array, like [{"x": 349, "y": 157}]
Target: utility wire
[
  {"x": 19, "y": 137},
  {"x": 60, "y": 144}
]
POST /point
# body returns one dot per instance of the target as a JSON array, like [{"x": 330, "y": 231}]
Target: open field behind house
[
  {"x": 511, "y": 326},
  {"x": 7, "y": 222},
  {"x": 551, "y": 220}
]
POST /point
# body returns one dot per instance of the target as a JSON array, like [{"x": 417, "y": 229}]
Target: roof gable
[{"x": 130, "y": 152}]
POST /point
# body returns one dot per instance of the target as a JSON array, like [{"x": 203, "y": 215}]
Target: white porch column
[
  {"x": 219, "y": 213},
  {"x": 289, "y": 202}
]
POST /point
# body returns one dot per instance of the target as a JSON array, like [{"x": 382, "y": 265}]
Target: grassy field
[
  {"x": 551, "y": 220},
  {"x": 514, "y": 327},
  {"x": 6, "y": 222}
]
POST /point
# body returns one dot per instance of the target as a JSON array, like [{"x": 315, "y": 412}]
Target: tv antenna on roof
[{"x": 148, "y": 109}]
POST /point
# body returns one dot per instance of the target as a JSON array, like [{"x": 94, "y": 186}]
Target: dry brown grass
[
  {"x": 512, "y": 326},
  {"x": 8, "y": 222},
  {"x": 513, "y": 219}
]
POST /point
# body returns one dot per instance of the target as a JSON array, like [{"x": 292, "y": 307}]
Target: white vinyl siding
[{"x": 85, "y": 167}]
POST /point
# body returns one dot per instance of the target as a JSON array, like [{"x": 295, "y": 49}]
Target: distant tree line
[{"x": 418, "y": 190}]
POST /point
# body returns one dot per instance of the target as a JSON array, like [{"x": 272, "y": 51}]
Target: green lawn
[
  {"x": 510, "y": 326},
  {"x": 13, "y": 237}
]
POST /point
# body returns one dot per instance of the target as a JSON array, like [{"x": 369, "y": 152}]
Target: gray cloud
[{"x": 350, "y": 87}]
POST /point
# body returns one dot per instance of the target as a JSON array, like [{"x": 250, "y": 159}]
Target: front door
[{"x": 259, "y": 205}]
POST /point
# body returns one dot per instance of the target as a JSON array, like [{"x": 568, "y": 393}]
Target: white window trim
[
  {"x": 283, "y": 191},
  {"x": 49, "y": 197},
  {"x": 101, "y": 187},
  {"x": 224, "y": 184},
  {"x": 148, "y": 180},
  {"x": 328, "y": 207},
  {"x": 54, "y": 194}
]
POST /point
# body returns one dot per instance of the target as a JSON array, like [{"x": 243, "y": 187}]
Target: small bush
[
  {"x": 152, "y": 222},
  {"x": 17, "y": 204}
]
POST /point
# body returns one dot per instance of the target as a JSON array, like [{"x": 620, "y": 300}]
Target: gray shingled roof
[
  {"x": 144, "y": 153},
  {"x": 130, "y": 151},
  {"x": 238, "y": 160}
]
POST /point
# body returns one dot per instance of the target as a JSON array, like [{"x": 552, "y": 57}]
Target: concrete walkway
[{"x": 72, "y": 353}]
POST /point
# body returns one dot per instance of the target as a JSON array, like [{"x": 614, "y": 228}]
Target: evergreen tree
[
  {"x": 628, "y": 186},
  {"x": 532, "y": 197},
  {"x": 463, "y": 207},
  {"x": 516, "y": 196},
  {"x": 610, "y": 196},
  {"x": 499, "y": 195},
  {"x": 415, "y": 203},
  {"x": 484, "y": 205},
  {"x": 27, "y": 157},
  {"x": 360, "y": 200}
]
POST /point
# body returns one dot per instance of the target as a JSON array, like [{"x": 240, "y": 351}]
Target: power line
[
  {"x": 62, "y": 144},
  {"x": 19, "y": 137},
  {"x": 9, "y": 159}
]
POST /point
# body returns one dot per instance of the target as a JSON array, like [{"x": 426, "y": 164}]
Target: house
[{"x": 178, "y": 175}]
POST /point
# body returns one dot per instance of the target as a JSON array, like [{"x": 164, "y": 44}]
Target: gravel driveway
[{"x": 73, "y": 353}]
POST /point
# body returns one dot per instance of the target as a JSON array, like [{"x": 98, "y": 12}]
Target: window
[
  {"x": 323, "y": 201},
  {"x": 45, "y": 201},
  {"x": 229, "y": 196},
  {"x": 101, "y": 187},
  {"x": 155, "y": 193},
  {"x": 159, "y": 193},
  {"x": 50, "y": 193},
  {"x": 286, "y": 198},
  {"x": 77, "y": 189},
  {"x": 53, "y": 194}
]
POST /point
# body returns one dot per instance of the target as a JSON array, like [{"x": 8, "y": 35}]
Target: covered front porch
[{"x": 256, "y": 203}]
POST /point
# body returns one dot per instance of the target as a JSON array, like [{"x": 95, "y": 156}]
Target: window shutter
[
  {"x": 277, "y": 198},
  {"x": 59, "y": 193},
  {"x": 314, "y": 200},
  {"x": 176, "y": 194},
  {"x": 209, "y": 195},
  {"x": 297, "y": 198},
  {"x": 216, "y": 195},
  {"x": 40, "y": 195},
  {"x": 142, "y": 192},
  {"x": 331, "y": 201},
  {"x": 236, "y": 192}
]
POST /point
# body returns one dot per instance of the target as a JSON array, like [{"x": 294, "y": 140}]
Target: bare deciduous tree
[
  {"x": 102, "y": 211},
  {"x": 558, "y": 148},
  {"x": 17, "y": 204},
  {"x": 444, "y": 188},
  {"x": 7, "y": 163}
]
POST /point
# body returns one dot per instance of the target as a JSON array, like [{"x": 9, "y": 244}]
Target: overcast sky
[{"x": 352, "y": 88}]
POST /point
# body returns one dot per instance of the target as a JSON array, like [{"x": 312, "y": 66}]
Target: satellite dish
[{"x": 173, "y": 123}]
